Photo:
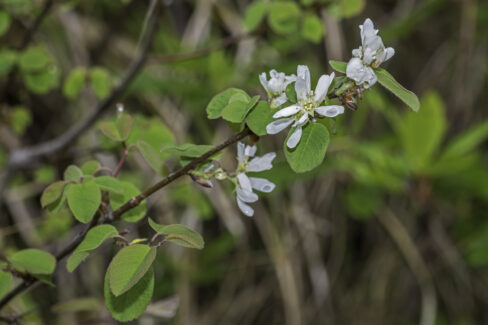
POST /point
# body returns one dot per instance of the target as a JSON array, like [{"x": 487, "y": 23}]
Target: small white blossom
[
  {"x": 276, "y": 86},
  {"x": 372, "y": 53},
  {"x": 245, "y": 184},
  {"x": 299, "y": 114}
]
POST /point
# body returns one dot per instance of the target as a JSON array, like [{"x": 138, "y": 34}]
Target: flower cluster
[
  {"x": 276, "y": 86},
  {"x": 246, "y": 184},
  {"x": 369, "y": 55},
  {"x": 308, "y": 104}
]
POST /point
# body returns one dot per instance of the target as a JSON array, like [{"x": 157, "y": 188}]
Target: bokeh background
[{"x": 392, "y": 228}]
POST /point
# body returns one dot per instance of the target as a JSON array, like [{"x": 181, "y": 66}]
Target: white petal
[
  {"x": 322, "y": 87},
  {"x": 357, "y": 52},
  {"x": 263, "y": 80},
  {"x": 289, "y": 79},
  {"x": 302, "y": 120},
  {"x": 330, "y": 111},
  {"x": 273, "y": 73},
  {"x": 304, "y": 73},
  {"x": 361, "y": 74},
  {"x": 244, "y": 182},
  {"x": 389, "y": 53},
  {"x": 301, "y": 89},
  {"x": 262, "y": 184},
  {"x": 278, "y": 125},
  {"x": 367, "y": 30},
  {"x": 259, "y": 164},
  {"x": 287, "y": 111},
  {"x": 278, "y": 101},
  {"x": 369, "y": 55},
  {"x": 250, "y": 150},
  {"x": 240, "y": 150},
  {"x": 246, "y": 196},
  {"x": 246, "y": 209},
  {"x": 294, "y": 138}
]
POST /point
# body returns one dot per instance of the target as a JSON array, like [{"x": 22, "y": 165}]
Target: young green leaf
[
  {"x": 284, "y": 17},
  {"x": 237, "y": 110},
  {"x": 129, "y": 266},
  {"x": 77, "y": 305},
  {"x": 34, "y": 261},
  {"x": 72, "y": 173},
  {"x": 188, "y": 150},
  {"x": 90, "y": 167},
  {"x": 291, "y": 93},
  {"x": 151, "y": 156},
  {"x": 52, "y": 193},
  {"x": 255, "y": 14},
  {"x": 131, "y": 304},
  {"x": 100, "y": 82},
  {"x": 4, "y": 22},
  {"x": 220, "y": 101},
  {"x": 43, "y": 81},
  {"x": 338, "y": 66},
  {"x": 84, "y": 200},
  {"x": 110, "y": 184},
  {"x": 35, "y": 58},
  {"x": 74, "y": 83},
  {"x": 130, "y": 191},
  {"x": 179, "y": 234},
  {"x": 387, "y": 81},
  {"x": 466, "y": 141},
  {"x": 8, "y": 59},
  {"x": 351, "y": 8},
  {"x": 93, "y": 239},
  {"x": 60, "y": 203},
  {"x": 259, "y": 117},
  {"x": 5, "y": 281},
  {"x": 312, "y": 28},
  {"x": 310, "y": 151}
]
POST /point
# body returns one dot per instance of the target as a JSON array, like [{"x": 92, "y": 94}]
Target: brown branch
[
  {"x": 35, "y": 25},
  {"x": 22, "y": 157},
  {"x": 132, "y": 203}
]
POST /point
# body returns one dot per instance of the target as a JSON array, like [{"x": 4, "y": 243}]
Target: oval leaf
[
  {"x": 310, "y": 151},
  {"x": 108, "y": 183},
  {"x": 52, "y": 193},
  {"x": 151, "y": 156},
  {"x": 129, "y": 266},
  {"x": 93, "y": 239},
  {"x": 220, "y": 101},
  {"x": 338, "y": 66},
  {"x": 130, "y": 191},
  {"x": 387, "y": 81},
  {"x": 5, "y": 280},
  {"x": 259, "y": 117},
  {"x": 34, "y": 261},
  {"x": 255, "y": 14},
  {"x": 179, "y": 234},
  {"x": 84, "y": 200},
  {"x": 133, "y": 303},
  {"x": 73, "y": 173}
]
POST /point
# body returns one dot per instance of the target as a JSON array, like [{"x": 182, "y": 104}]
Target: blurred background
[{"x": 392, "y": 228}]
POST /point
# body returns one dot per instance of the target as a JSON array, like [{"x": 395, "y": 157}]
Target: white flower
[
  {"x": 370, "y": 54},
  {"x": 245, "y": 184},
  {"x": 304, "y": 110},
  {"x": 276, "y": 86}
]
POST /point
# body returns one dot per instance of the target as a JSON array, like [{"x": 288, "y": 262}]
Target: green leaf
[
  {"x": 75, "y": 83},
  {"x": 220, "y": 101},
  {"x": 76, "y": 305},
  {"x": 90, "y": 167},
  {"x": 4, "y": 22},
  {"x": 35, "y": 58},
  {"x": 179, "y": 234},
  {"x": 34, "y": 261},
  {"x": 7, "y": 60},
  {"x": 150, "y": 130},
  {"x": 56, "y": 206},
  {"x": 5, "y": 281},
  {"x": 351, "y": 8},
  {"x": 188, "y": 150},
  {"x": 284, "y": 17},
  {"x": 131, "y": 304},
  {"x": 84, "y": 200},
  {"x": 43, "y": 81},
  {"x": 20, "y": 119},
  {"x": 338, "y": 66},
  {"x": 117, "y": 130},
  {"x": 312, "y": 28},
  {"x": 467, "y": 141},
  {"x": 108, "y": 183},
  {"x": 151, "y": 156},
  {"x": 237, "y": 110},
  {"x": 73, "y": 173},
  {"x": 310, "y": 151},
  {"x": 387, "y": 81},
  {"x": 129, "y": 266},
  {"x": 259, "y": 117},
  {"x": 291, "y": 93},
  {"x": 101, "y": 82},
  {"x": 421, "y": 133},
  {"x": 130, "y": 191},
  {"x": 93, "y": 239},
  {"x": 255, "y": 14},
  {"x": 45, "y": 278},
  {"x": 52, "y": 193}
]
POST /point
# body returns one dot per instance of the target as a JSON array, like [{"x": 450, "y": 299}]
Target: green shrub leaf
[
  {"x": 151, "y": 156},
  {"x": 255, "y": 14},
  {"x": 310, "y": 151},
  {"x": 100, "y": 82},
  {"x": 117, "y": 130},
  {"x": 34, "y": 261},
  {"x": 188, "y": 150},
  {"x": 387, "y": 81},
  {"x": 35, "y": 58},
  {"x": 284, "y": 17},
  {"x": 5, "y": 281},
  {"x": 73, "y": 173},
  {"x": 75, "y": 83},
  {"x": 52, "y": 193},
  {"x": 7, "y": 61},
  {"x": 131, "y": 304},
  {"x": 220, "y": 101},
  {"x": 110, "y": 184},
  {"x": 259, "y": 117},
  {"x": 93, "y": 239},
  {"x": 312, "y": 28},
  {"x": 338, "y": 66},
  {"x": 129, "y": 266},
  {"x": 237, "y": 110},
  {"x": 84, "y": 200},
  {"x": 179, "y": 234},
  {"x": 130, "y": 191},
  {"x": 90, "y": 167}
]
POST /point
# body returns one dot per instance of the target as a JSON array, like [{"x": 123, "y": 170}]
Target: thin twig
[{"x": 35, "y": 25}]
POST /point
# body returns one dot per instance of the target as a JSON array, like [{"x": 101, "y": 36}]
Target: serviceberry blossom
[
  {"x": 245, "y": 184},
  {"x": 369, "y": 55},
  {"x": 308, "y": 103},
  {"x": 276, "y": 86}
]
